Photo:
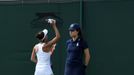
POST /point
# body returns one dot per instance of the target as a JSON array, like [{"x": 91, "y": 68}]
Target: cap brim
[{"x": 71, "y": 29}]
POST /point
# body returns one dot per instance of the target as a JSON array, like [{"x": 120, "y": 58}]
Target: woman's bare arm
[
  {"x": 55, "y": 39},
  {"x": 33, "y": 56}
]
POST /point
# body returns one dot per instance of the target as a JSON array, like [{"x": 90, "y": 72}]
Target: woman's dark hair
[
  {"x": 80, "y": 32},
  {"x": 39, "y": 35}
]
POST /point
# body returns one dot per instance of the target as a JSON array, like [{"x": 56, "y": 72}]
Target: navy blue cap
[{"x": 74, "y": 26}]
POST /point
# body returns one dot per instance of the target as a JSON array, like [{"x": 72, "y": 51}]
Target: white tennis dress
[{"x": 43, "y": 66}]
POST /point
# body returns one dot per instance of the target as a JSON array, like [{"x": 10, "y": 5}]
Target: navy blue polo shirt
[{"x": 75, "y": 51}]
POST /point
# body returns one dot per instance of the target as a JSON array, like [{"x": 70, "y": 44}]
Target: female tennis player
[
  {"x": 42, "y": 51},
  {"x": 76, "y": 49}
]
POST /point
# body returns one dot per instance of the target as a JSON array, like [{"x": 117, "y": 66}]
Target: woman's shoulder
[
  {"x": 38, "y": 44},
  {"x": 84, "y": 43},
  {"x": 82, "y": 39},
  {"x": 68, "y": 41}
]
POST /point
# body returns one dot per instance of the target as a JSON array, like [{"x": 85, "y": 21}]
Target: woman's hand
[{"x": 52, "y": 22}]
